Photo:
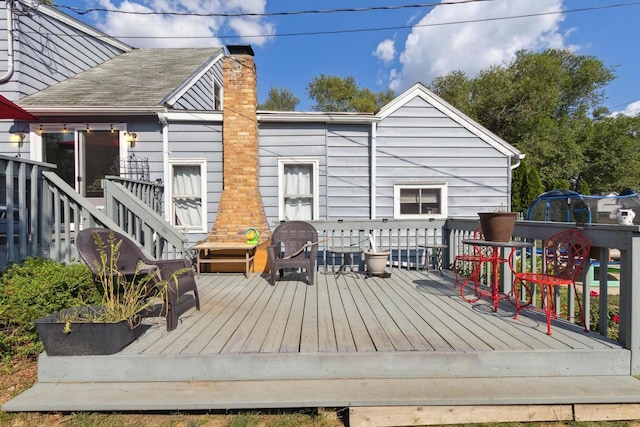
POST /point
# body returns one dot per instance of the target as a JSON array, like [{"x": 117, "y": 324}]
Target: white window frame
[
  {"x": 442, "y": 186},
  {"x": 315, "y": 164},
  {"x": 217, "y": 96},
  {"x": 202, "y": 164}
]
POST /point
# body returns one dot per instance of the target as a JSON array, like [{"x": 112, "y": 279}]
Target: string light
[
  {"x": 64, "y": 129},
  {"x": 88, "y": 129}
]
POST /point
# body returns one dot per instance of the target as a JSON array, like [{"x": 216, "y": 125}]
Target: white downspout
[
  {"x": 165, "y": 167},
  {"x": 4, "y": 78},
  {"x": 373, "y": 169}
]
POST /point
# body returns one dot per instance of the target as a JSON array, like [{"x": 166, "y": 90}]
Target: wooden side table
[{"x": 214, "y": 253}]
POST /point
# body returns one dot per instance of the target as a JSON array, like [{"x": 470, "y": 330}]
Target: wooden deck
[{"x": 406, "y": 341}]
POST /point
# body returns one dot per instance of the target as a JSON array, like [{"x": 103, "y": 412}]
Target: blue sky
[{"x": 384, "y": 48}]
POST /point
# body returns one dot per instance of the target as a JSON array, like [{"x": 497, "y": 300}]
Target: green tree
[
  {"x": 613, "y": 150},
  {"x": 280, "y": 100},
  {"x": 539, "y": 102},
  {"x": 526, "y": 186},
  {"x": 336, "y": 94}
]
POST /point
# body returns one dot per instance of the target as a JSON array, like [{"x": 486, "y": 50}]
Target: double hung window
[
  {"x": 188, "y": 190},
  {"x": 298, "y": 188}
]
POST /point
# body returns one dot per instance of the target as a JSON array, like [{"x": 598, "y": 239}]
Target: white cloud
[
  {"x": 631, "y": 110},
  {"x": 386, "y": 51},
  {"x": 433, "y": 50},
  {"x": 141, "y": 30}
]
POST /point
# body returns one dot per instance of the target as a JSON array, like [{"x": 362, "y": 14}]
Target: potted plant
[
  {"x": 109, "y": 327},
  {"x": 376, "y": 261},
  {"x": 498, "y": 225}
]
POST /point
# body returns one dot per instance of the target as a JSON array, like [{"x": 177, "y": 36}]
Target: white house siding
[
  {"x": 200, "y": 140},
  {"x": 278, "y": 140},
  {"x": 419, "y": 144},
  {"x": 348, "y": 171}
]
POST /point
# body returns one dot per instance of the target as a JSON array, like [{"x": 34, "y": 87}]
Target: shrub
[{"x": 34, "y": 289}]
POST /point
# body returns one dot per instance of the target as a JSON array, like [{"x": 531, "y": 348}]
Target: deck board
[{"x": 411, "y": 326}]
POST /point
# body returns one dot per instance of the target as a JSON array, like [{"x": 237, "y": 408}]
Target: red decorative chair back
[{"x": 565, "y": 254}]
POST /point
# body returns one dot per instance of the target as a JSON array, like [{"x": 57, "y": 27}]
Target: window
[
  {"x": 217, "y": 96},
  {"x": 420, "y": 200},
  {"x": 298, "y": 188},
  {"x": 188, "y": 190}
]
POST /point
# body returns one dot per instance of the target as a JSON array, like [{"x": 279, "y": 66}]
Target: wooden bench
[{"x": 225, "y": 253}]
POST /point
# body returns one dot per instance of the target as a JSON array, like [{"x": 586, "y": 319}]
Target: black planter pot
[{"x": 84, "y": 338}]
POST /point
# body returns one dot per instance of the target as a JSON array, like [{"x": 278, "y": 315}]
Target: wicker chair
[
  {"x": 290, "y": 249},
  {"x": 129, "y": 257}
]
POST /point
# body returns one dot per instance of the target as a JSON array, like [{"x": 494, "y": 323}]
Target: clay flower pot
[{"x": 497, "y": 226}]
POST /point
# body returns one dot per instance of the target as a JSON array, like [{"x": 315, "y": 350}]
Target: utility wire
[
  {"x": 399, "y": 27},
  {"x": 80, "y": 11}
]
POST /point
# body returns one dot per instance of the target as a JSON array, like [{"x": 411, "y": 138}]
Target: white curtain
[
  {"x": 298, "y": 192},
  {"x": 186, "y": 196}
]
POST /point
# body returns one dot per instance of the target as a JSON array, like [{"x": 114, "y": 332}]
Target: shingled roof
[{"x": 138, "y": 78}]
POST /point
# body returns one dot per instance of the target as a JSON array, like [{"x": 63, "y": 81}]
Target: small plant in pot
[
  {"x": 113, "y": 324},
  {"x": 498, "y": 225}
]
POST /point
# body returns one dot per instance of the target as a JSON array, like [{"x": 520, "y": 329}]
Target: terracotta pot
[{"x": 497, "y": 226}]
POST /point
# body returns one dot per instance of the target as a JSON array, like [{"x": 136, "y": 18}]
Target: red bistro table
[{"x": 495, "y": 259}]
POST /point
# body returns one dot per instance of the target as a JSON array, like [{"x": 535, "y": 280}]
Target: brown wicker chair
[
  {"x": 288, "y": 249},
  {"x": 129, "y": 257}
]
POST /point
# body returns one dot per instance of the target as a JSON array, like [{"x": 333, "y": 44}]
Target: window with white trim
[
  {"x": 420, "y": 200},
  {"x": 217, "y": 96},
  {"x": 188, "y": 194},
  {"x": 298, "y": 188}
]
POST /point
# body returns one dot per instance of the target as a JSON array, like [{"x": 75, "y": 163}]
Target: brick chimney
[{"x": 240, "y": 203}]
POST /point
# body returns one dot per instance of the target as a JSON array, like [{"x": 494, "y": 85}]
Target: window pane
[
  {"x": 298, "y": 179},
  {"x": 298, "y": 208},
  {"x": 409, "y": 201},
  {"x": 187, "y": 197},
  {"x": 59, "y": 150},
  {"x": 430, "y": 201}
]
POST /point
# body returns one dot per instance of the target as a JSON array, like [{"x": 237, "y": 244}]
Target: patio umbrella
[{"x": 9, "y": 110}]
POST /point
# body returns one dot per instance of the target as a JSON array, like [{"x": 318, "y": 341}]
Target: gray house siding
[
  {"x": 200, "y": 140},
  {"x": 348, "y": 172},
  {"x": 200, "y": 96},
  {"x": 49, "y": 51},
  {"x": 279, "y": 140},
  {"x": 419, "y": 144}
]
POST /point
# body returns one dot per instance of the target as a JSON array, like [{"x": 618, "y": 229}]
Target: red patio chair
[
  {"x": 471, "y": 260},
  {"x": 564, "y": 256}
]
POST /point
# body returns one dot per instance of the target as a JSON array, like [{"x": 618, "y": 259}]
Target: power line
[
  {"x": 81, "y": 11},
  {"x": 362, "y": 30}
]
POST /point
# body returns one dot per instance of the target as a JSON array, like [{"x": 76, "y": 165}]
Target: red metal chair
[
  {"x": 564, "y": 255},
  {"x": 470, "y": 260}
]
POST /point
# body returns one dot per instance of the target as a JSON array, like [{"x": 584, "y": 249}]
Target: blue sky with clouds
[{"x": 384, "y": 48}]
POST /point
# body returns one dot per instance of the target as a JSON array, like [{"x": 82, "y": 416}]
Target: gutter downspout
[
  {"x": 4, "y": 78},
  {"x": 374, "y": 171},
  {"x": 165, "y": 166},
  {"x": 513, "y": 166}
]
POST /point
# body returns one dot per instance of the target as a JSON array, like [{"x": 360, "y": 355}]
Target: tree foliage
[
  {"x": 334, "y": 94},
  {"x": 280, "y": 100},
  {"x": 541, "y": 103}
]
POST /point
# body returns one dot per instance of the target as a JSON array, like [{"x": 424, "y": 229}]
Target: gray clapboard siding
[
  {"x": 417, "y": 143},
  {"x": 198, "y": 140},
  {"x": 278, "y": 140},
  {"x": 69, "y": 51},
  {"x": 200, "y": 96}
]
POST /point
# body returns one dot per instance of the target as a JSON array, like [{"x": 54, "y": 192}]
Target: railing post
[{"x": 630, "y": 301}]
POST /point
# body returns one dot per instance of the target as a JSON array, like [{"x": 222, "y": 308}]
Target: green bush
[{"x": 34, "y": 289}]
